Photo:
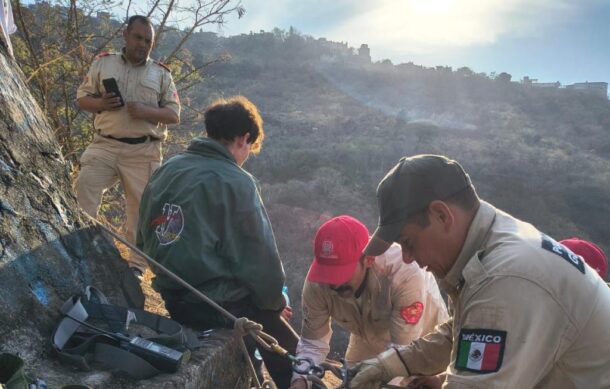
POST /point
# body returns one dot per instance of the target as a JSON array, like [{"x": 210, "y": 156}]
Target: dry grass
[{"x": 153, "y": 301}]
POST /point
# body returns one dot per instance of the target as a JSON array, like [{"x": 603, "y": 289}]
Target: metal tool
[{"x": 315, "y": 372}]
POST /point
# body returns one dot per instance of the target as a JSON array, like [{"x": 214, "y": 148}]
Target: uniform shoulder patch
[
  {"x": 164, "y": 66},
  {"x": 480, "y": 350},
  {"x": 557, "y": 248},
  {"x": 102, "y": 55},
  {"x": 412, "y": 313}
]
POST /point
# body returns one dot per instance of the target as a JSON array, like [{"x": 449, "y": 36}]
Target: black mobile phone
[{"x": 112, "y": 87}]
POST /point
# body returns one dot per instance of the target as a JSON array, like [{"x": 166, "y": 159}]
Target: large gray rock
[{"x": 48, "y": 252}]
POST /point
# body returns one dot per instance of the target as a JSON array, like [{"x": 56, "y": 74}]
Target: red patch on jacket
[{"x": 412, "y": 313}]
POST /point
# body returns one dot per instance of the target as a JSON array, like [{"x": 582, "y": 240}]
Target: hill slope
[{"x": 336, "y": 123}]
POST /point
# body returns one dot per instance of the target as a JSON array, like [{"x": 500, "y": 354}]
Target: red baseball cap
[
  {"x": 593, "y": 255},
  {"x": 337, "y": 248}
]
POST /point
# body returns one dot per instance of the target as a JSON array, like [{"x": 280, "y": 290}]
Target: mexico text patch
[
  {"x": 555, "y": 247},
  {"x": 480, "y": 350}
]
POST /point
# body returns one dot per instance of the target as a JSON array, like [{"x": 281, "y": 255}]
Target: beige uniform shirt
[
  {"x": 149, "y": 83},
  {"x": 528, "y": 313},
  {"x": 400, "y": 303}
]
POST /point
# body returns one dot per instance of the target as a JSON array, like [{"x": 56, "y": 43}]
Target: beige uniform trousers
[{"x": 107, "y": 161}]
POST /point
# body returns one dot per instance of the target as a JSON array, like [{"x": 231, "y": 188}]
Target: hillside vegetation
[{"x": 336, "y": 123}]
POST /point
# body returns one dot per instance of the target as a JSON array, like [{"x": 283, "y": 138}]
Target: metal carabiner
[
  {"x": 306, "y": 366},
  {"x": 302, "y": 365}
]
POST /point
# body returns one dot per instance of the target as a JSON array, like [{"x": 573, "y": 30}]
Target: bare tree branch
[
  {"x": 41, "y": 67},
  {"x": 207, "y": 12},
  {"x": 57, "y": 39},
  {"x": 33, "y": 55},
  {"x": 116, "y": 32},
  {"x": 198, "y": 69},
  {"x": 161, "y": 26}
]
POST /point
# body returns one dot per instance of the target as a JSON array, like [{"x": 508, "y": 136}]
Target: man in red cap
[
  {"x": 593, "y": 255},
  {"x": 380, "y": 300}
]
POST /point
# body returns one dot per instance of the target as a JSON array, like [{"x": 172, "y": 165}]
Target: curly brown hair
[{"x": 235, "y": 116}]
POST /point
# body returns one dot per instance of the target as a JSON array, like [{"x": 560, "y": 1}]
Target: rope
[
  {"x": 251, "y": 328},
  {"x": 244, "y": 350}
]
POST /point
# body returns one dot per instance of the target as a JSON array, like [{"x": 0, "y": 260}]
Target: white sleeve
[{"x": 316, "y": 349}]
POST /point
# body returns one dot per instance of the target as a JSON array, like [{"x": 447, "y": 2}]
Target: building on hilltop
[
  {"x": 546, "y": 84},
  {"x": 599, "y": 89},
  {"x": 528, "y": 81},
  {"x": 595, "y": 88},
  {"x": 364, "y": 53},
  {"x": 534, "y": 82}
]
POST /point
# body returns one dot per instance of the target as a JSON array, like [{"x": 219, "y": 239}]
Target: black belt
[{"x": 133, "y": 141}]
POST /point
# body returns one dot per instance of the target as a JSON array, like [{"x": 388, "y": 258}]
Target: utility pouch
[{"x": 79, "y": 342}]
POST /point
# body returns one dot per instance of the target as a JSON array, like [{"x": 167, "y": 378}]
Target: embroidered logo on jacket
[
  {"x": 480, "y": 350},
  {"x": 169, "y": 225},
  {"x": 555, "y": 247},
  {"x": 412, "y": 313}
]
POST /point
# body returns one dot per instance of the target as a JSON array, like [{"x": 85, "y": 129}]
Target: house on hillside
[
  {"x": 596, "y": 88},
  {"x": 534, "y": 82},
  {"x": 546, "y": 84},
  {"x": 364, "y": 53},
  {"x": 599, "y": 89}
]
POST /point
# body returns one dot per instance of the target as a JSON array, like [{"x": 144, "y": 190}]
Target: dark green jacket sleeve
[{"x": 252, "y": 250}]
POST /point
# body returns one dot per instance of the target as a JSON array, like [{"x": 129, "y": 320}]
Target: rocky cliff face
[{"x": 48, "y": 252}]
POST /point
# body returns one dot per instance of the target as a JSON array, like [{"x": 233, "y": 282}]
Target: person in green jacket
[{"x": 203, "y": 218}]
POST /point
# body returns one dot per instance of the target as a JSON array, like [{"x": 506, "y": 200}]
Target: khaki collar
[
  {"x": 126, "y": 60},
  {"x": 373, "y": 284},
  {"x": 475, "y": 240}
]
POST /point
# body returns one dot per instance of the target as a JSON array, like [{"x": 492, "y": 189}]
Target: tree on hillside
[
  {"x": 58, "y": 39},
  {"x": 465, "y": 71},
  {"x": 504, "y": 77}
]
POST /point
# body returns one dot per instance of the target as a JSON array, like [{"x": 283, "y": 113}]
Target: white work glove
[
  {"x": 243, "y": 326},
  {"x": 375, "y": 372}
]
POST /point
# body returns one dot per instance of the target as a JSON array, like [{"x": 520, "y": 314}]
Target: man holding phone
[{"x": 133, "y": 98}]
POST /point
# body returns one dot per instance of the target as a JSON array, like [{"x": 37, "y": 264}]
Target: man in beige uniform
[
  {"x": 127, "y": 141},
  {"x": 527, "y": 312},
  {"x": 380, "y": 300}
]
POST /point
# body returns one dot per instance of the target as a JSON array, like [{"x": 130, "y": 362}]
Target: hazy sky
[{"x": 552, "y": 40}]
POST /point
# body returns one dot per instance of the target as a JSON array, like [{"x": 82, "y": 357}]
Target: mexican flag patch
[{"x": 480, "y": 351}]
